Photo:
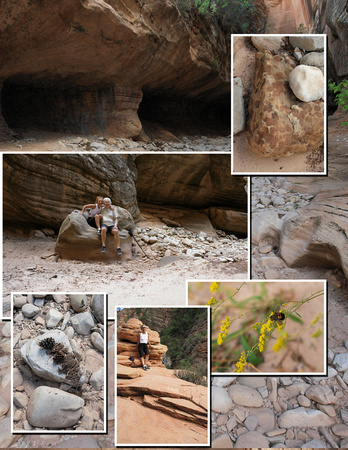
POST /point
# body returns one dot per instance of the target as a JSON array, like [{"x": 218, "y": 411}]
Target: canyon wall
[{"x": 43, "y": 189}]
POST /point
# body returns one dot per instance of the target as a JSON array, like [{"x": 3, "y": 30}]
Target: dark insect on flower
[
  {"x": 47, "y": 343},
  {"x": 278, "y": 316}
]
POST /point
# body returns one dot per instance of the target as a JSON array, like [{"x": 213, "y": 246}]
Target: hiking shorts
[{"x": 143, "y": 350}]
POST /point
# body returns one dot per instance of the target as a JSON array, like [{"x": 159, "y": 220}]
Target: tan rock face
[
  {"x": 318, "y": 234},
  {"x": 280, "y": 124},
  {"x": 127, "y": 337},
  {"x": 52, "y": 185}
]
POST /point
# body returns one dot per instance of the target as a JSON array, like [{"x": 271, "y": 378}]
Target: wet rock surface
[{"x": 57, "y": 368}]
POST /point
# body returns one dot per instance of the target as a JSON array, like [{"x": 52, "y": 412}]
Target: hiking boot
[
  {"x": 103, "y": 249},
  {"x": 145, "y": 367},
  {"x": 119, "y": 251},
  {"x": 99, "y": 231}
]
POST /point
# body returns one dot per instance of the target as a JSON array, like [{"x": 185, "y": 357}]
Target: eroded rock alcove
[{"x": 84, "y": 67}]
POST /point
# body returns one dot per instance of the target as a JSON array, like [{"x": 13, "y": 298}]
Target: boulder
[
  {"x": 78, "y": 302},
  {"x": 238, "y": 106},
  {"x": 82, "y": 323},
  {"x": 53, "y": 408},
  {"x": 308, "y": 43},
  {"x": 270, "y": 43},
  {"x": 280, "y": 124},
  {"x": 315, "y": 59},
  {"x": 78, "y": 240},
  {"x": 235, "y": 222},
  {"x": 42, "y": 364},
  {"x": 317, "y": 235},
  {"x": 307, "y": 83}
]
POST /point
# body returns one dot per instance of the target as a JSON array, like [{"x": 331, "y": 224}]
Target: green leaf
[{"x": 295, "y": 318}]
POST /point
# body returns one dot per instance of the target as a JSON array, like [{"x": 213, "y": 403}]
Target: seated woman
[{"x": 94, "y": 218}]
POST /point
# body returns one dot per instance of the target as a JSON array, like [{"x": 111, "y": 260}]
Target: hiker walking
[
  {"x": 143, "y": 347},
  {"x": 109, "y": 224}
]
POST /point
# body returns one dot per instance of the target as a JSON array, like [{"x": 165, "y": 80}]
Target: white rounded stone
[
  {"x": 307, "y": 83},
  {"x": 303, "y": 417},
  {"x": 221, "y": 401}
]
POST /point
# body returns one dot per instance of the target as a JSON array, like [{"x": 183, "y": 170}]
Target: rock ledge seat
[{"x": 78, "y": 240}]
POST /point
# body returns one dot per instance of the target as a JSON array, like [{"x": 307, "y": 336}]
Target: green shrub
[
  {"x": 196, "y": 374},
  {"x": 341, "y": 91}
]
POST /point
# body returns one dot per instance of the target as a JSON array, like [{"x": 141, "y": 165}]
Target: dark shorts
[
  {"x": 91, "y": 222},
  {"x": 108, "y": 228},
  {"x": 143, "y": 350}
]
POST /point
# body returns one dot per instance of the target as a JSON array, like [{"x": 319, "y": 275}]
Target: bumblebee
[{"x": 278, "y": 316}]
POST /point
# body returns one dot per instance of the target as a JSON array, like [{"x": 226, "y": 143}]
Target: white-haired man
[{"x": 109, "y": 224}]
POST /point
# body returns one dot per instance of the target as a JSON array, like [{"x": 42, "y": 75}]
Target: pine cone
[{"x": 47, "y": 343}]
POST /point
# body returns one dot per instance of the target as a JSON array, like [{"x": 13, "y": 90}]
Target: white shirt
[{"x": 144, "y": 338}]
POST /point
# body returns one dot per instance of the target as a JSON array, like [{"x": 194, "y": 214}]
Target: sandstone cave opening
[
  {"x": 67, "y": 106},
  {"x": 187, "y": 116}
]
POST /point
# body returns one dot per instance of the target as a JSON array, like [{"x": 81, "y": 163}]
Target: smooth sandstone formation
[
  {"x": 280, "y": 124},
  {"x": 307, "y": 83},
  {"x": 53, "y": 408},
  {"x": 318, "y": 233},
  {"x": 78, "y": 240}
]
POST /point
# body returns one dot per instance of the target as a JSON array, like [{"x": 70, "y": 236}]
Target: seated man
[{"x": 109, "y": 224}]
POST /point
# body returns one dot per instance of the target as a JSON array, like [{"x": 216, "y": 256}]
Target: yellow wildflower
[
  {"x": 224, "y": 327},
  {"x": 317, "y": 333},
  {"x": 241, "y": 363},
  {"x": 214, "y": 286},
  {"x": 282, "y": 340},
  {"x": 264, "y": 329},
  {"x": 212, "y": 301},
  {"x": 315, "y": 320},
  {"x": 255, "y": 325}
]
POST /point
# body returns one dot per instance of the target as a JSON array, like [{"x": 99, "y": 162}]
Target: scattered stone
[
  {"x": 98, "y": 307},
  {"x": 97, "y": 379},
  {"x": 53, "y": 318},
  {"x": 341, "y": 362},
  {"x": 252, "y": 439},
  {"x": 54, "y": 409},
  {"x": 221, "y": 401},
  {"x": 310, "y": 44},
  {"x": 222, "y": 441},
  {"x": 97, "y": 341},
  {"x": 302, "y": 417},
  {"x": 245, "y": 396},
  {"x": 82, "y": 323},
  {"x": 20, "y": 400},
  {"x": 321, "y": 394},
  {"x": 78, "y": 302},
  {"x": 19, "y": 300},
  {"x": 30, "y": 310}
]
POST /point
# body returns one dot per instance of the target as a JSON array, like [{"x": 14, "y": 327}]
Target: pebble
[
  {"x": 223, "y": 381},
  {"x": 97, "y": 341},
  {"x": 70, "y": 332},
  {"x": 252, "y": 382},
  {"x": 19, "y": 301},
  {"x": 17, "y": 377},
  {"x": 340, "y": 430},
  {"x": 303, "y": 401},
  {"x": 221, "y": 401},
  {"x": 6, "y": 329},
  {"x": 30, "y": 311},
  {"x": 302, "y": 417},
  {"x": 321, "y": 394},
  {"x": 53, "y": 409},
  {"x": 20, "y": 400},
  {"x": 82, "y": 323},
  {"x": 314, "y": 443},
  {"x": 252, "y": 439},
  {"x": 245, "y": 396},
  {"x": 78, "y": 302},
  {"x": 97, "y": 379},
  {"x": 341, "y": 362},
  {"x": 98, "y": 307},
  {"x": 222, "y": 441},
  {"x": 53, "y": 318}
]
